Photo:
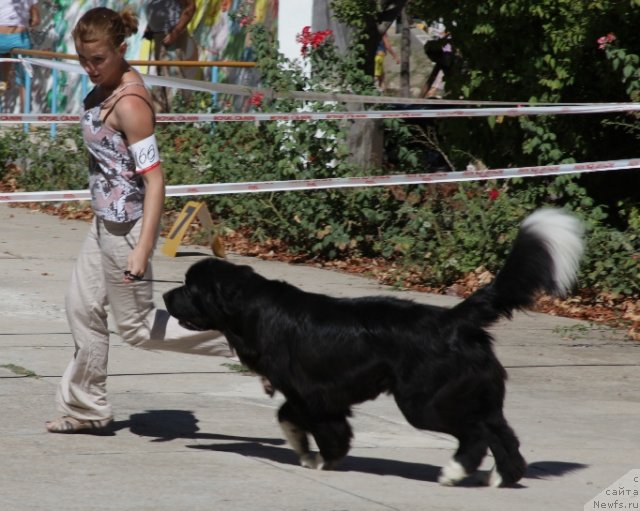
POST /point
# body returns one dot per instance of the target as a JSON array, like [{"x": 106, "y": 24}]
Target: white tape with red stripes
[
  {"x": 337, "y": 116},
  {"x": 344, "y": 182},
  {"x": 516, "y": 109}
]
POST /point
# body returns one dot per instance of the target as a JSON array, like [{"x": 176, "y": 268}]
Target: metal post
[
  {"x": 215, "y": 70},
  {"x": 54, "y": 100},
  {"x": 27, "y": 98},
  {"x": 215, "y": 76}
]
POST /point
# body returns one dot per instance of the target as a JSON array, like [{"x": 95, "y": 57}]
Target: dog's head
[{"x": 211, "y": 297}]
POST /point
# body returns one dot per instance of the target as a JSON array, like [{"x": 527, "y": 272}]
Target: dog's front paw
[
  {"x": 452, "y": 474},
  {"x": 310, "y": 460},
  {"x": 316, "y": 461}
]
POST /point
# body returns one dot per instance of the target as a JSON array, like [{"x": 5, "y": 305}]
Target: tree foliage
[{"x": 545, "y": 51}]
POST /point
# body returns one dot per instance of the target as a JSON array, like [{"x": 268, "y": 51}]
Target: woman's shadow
[{"x": 168, "y": 425}]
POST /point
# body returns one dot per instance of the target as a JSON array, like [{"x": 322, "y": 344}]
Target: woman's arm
[
  {"x": 135, "y": 119},
  {"x": 188, "y": 10}
]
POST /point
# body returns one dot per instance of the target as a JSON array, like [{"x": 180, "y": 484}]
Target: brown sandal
[{"x": 67, "y": 424}]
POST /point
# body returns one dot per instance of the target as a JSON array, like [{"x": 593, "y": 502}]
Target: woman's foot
[{"x": 68, "y": 424}]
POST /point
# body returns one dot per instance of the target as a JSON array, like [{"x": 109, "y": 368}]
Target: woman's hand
[{"x": 137, "y": 263}]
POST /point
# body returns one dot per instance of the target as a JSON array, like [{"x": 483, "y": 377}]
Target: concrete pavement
[{"x": 193, "y": 433}]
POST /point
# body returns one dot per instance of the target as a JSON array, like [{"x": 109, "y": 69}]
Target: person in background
[
  {"x": 16, "y": 18},
  {"x": 441, "y": 52},
  {"x": 167, "y": 22},
  {"x": 127, "y": 188},
  {"x": 384, "y": 47}
]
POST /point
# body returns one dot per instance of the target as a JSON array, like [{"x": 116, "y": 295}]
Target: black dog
[{"x": 326, "y": 354}]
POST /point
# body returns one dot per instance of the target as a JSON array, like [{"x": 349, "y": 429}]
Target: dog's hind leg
[
  {"x": 431, "y": 414},
  {"x": 294, "y": 431},
  {"x": 472, "y": 449},
  {"x": 510, "y": 465}
]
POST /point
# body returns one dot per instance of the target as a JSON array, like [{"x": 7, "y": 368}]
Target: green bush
[
  {"x": 11, "y": 141},
  {"x": 51, "y": 163}
]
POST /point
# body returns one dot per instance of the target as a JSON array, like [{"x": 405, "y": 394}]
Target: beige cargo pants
[{"x": 97, "y": 285}]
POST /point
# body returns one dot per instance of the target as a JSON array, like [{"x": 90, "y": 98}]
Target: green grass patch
[
  {"x": 20, "y": 371},
  {"x": 238, "y": 368},
  {"x": 581, "y": 331}
]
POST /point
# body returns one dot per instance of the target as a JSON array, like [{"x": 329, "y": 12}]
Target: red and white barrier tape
[
  {"x": 344, "y": 182},
  {"x": 338, "y": 116}
]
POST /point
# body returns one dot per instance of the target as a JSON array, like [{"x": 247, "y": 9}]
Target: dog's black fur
[{"x": 326, "y": 354}]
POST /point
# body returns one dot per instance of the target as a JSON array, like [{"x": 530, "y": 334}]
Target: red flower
[
  {"x": 245, "y": 21},
  {"x": 319, "y": 37},
  {"x": 494, "y": 193},
  {"x": 307, "y": 39},
  {"x": 256, "y": 99},
  {"x": 606, "y": 40}
]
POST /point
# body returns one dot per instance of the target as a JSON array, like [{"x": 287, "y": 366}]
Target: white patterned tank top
[{"x": 117, "y": 192}]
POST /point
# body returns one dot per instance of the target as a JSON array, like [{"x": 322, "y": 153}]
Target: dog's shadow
[{"x": 167, "y": 425}]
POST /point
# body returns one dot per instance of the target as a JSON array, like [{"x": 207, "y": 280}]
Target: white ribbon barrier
[
  {"x": 344, "y": 182},
  {"x": 513, "y": 111},
  {"x": 356, "y": 115}
]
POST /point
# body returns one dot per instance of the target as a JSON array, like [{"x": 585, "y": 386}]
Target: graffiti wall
[{"x": 217, "y": 29}]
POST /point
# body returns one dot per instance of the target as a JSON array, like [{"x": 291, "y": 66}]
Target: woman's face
[{"x": 102, "y": 62}]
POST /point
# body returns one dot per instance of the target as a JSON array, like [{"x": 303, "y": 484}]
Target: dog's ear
[
  {"x": 222, "y": 286},
  {"x": 232, "y": 283}
]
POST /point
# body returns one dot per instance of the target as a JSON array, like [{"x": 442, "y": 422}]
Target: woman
[{"x": 127, "y": 190}]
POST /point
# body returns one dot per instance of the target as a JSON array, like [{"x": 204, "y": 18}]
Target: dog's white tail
[
  {"x": 544, "y": 258},
  {"x": 563, "y": 235}
]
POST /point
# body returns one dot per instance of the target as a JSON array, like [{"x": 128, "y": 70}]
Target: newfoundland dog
[{"x": 325, "y": 354}]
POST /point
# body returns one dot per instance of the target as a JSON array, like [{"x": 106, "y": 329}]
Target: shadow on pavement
[
  {"x": 167, "y": 425},
  {"x": 546, "y": 469}
]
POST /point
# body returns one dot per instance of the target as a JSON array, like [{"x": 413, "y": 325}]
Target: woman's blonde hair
[{"x": 104, "y": 23}]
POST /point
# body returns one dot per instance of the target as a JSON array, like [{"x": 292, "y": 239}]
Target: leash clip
[{"x": 131, "y": 276}]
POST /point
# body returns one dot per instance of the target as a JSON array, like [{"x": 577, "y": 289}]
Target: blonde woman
[{"x": 127, "y": 189}]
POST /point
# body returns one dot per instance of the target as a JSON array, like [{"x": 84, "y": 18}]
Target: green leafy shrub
[
  {"x": 46, "y": 163},
  {"x": 12, "y": 140}
]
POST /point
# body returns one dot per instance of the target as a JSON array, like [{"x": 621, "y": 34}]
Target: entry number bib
[{"x": 146, "y": 155}]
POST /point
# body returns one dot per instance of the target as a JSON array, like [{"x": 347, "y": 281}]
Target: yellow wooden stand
[{"x": 191, "y": 211}]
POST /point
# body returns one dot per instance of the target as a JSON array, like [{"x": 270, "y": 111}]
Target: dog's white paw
[
  {"x": 490, "y": 478},
  {"x": 495, "y": 479},
  {"x": 327, "y": 465},
  {"x": 452, "y": 474},
  {"x": 316, "y": 461},
  {"x": 310, "y": 460}
]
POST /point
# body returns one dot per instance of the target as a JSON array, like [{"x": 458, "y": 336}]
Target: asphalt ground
[{"x": 194, "y": 433}]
